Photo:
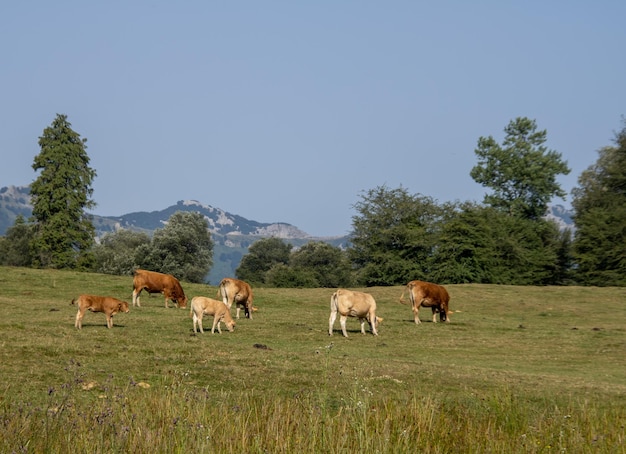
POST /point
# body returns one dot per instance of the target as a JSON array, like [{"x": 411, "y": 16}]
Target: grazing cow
[
  {"x": 239, "y": 292},
  {"x": 426, "y": 294},
  {"x": 154, "y": 282},
  {"x": 110, "y": 307},
  {"x": 353, "y": 304},
  {"x": 201, "y": 305}
]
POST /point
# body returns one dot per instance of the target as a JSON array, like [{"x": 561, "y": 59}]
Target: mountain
[
  {"x": 14, "y": 200},
  {"x": 232, "y": 234},
  {"x": 562, "y": 216}
]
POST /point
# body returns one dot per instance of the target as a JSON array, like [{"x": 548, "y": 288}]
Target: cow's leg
[
  {"x": 372, "y": 321},
  {"x": 416, "y": 313},
  {"x": 434, "y": 314},
  {"x": 136, "y": 298},
  {"x": 199, "y": 321},
  {"x": 216, "y": 322},
  {"x": 109, "y": 321},
  {"x": 166, "y": 305},
  {"x": 79, "y": 319},
  {"x": 362, "y": 321},
  {"x": 331, "y": 322},
  {"x": 195, "y": 322},
  {"x": 249, "y": 310},
  {"x": 342, "y": 322},
  {"x": 238, "y": 309}
]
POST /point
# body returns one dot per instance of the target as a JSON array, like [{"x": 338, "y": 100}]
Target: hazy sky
[{"x": 288, "y": 110}]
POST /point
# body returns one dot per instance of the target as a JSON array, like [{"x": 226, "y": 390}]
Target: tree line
[{"x": 396, "y": 236}]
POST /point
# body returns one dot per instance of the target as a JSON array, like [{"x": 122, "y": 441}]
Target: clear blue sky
[{"x": 288, "y": 110}]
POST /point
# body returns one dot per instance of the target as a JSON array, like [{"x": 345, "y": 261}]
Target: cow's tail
[
  {"x": 73, "y": 301},
  {"x": 402, "y": 301},
  {"x": 334, "y": 307}
]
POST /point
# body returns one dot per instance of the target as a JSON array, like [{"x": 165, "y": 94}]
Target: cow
[
  {"x": 110, "y": 306},
  {"x": 239, "y": 292},
  {"x": 201, "y": 305},
  {"x": 353, "y": 304},
  {"x": 154, "y": 282},
  {"x": 427, "y": 294}
]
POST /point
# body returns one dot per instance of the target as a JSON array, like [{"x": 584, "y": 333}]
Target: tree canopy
[
  {"x": 261, "y": 256},
  {"x": 393, "y": 236},
  {"x": 60, "y": 195},
  {"x": 183, "y": 248},
  {"x": 521, "y": 172}
]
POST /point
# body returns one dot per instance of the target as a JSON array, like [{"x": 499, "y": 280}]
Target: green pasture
[{"x": 518, "y": 369}]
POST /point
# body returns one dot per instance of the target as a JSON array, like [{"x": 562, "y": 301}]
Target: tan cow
[
  {"x": 426, "y": 294},
  {"x": 353, "y": 304},
  {"x": 154, "y": 282},
  {"x": 201, "y": 305},
  {"x": 110, "y": 307},
  {"x": 239, "y": 292}
]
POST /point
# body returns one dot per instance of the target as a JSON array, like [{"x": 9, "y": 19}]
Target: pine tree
[{"x": 64, "y": 232}]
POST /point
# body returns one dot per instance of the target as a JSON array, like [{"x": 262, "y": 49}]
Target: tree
[
  {"x": 183, "y": 248},
  {"x": 522, "y": 171},
  {"x": 600, "y": 217},
  {"x": 326, "y": 264},
  {"x": 393, "y": 236},
  {"x": 15, "y": 245},
  {"x": 261, "y": 257},
  {"x": 60, "y": 195},
  {"x": 117, "y": 252},
  {"x": 480, "y": 244}
]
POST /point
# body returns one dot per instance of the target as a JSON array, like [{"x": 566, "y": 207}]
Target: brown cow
[
  {"x": 110, "y": 307},
  {"x": 201, "y": 305},
  {"x": 353, "y": 304},
  {"x": 426, "y": 294},
  {"x": 154, "y": 282},
  {"x": 239, "y": 292}
]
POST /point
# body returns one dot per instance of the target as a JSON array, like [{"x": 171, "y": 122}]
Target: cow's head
[
  {"x": 182, "y": 302},
  {"x": 230, "y": 325},
  {"x": 123, "y": 307}
]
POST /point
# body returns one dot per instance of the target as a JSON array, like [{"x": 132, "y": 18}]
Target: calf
[
  {"x": 426, "y": 294},
  {"x": 154, "y": 282},
  {"x": 239, "y": 292},
  {"x": 201, "y": 305},
  {"x": 110, "y": 307},
  {"x": 353, "y": 304}
]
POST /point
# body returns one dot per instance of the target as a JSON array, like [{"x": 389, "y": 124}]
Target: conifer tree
[{"x": 60, "y": 195}]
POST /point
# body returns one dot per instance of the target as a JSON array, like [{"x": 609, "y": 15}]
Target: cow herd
[{"x": 346, "y": 303}]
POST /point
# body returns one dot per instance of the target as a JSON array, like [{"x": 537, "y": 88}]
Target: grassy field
[{"x": 518, "y": 369}]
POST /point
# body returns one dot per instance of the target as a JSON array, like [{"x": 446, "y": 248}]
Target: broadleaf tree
[
  {"x": 183, "y": 248},
  {"x": 64, "y": 232},
  {"x": 393, "y": 236},
  {"x": 522, "y": 171},
  {"x": 261, "y": 257}
]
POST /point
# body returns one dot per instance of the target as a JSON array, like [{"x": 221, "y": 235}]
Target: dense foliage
[
  {"x": 64, "y": 232},
  {"x": 15, "y": 247},
  {"x": 522, "y": 171},
  {"x": 393, "y": 236},
  {"x": 183, "y": 248},
  {"x": 261, "y": 257},
  {"x": 600, "y": 217},
  {"x": 117, "y": 252}
]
